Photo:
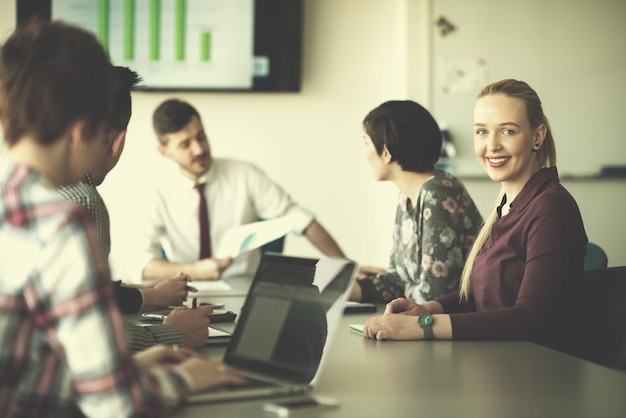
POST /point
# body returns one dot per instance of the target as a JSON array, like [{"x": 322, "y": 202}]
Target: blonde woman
[{"x": 523, "y": 279}]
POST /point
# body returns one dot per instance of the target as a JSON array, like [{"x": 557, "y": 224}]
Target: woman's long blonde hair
[{"x": 546, "y": 155}]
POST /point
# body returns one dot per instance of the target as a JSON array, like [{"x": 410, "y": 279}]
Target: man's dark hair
[
  {"x": 171, "y": 116},
  {"x": 127, "y": 79},
  {"x": 53, "y": 75},
  {"x": 409, "y": 131}
]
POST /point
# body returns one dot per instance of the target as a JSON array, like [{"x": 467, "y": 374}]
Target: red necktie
[{"x": 203, "y": 216}]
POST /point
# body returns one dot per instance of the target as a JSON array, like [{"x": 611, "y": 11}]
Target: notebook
[
  {"x": 217, "y": 336},
  {"x": 286, "y": 326}
]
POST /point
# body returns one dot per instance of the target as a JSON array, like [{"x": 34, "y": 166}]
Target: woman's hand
[
  {"x": 404, "y": 307},
  {"x": 393, "y": 327},
  {"x": 398, "y": 322}
]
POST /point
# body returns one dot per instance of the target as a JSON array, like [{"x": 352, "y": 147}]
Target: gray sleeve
[{"x": 141, "y": 337}]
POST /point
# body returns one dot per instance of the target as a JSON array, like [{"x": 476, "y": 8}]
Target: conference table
[{"x": 500, "y": 379}]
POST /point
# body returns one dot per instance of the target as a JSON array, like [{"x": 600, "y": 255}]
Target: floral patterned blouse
[{"x": 430, "y": 243}]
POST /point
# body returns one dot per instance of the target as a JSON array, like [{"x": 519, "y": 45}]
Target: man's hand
[
  {"x": 365, "y": 271},
  {"x": 207, "y": 374},
  {"x": 168, "y": 292},
  {"x": 192, "y": 323},
  {"x": 161, "y": 355},
  {"x": 210, "y": 268},
  {"x": 204, "y": 269},
  {"x": 204, "y": 373}
]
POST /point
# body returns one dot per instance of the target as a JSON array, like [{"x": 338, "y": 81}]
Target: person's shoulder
[
  {"x": 546, "y": 186},
  {"x": 233, "y": 164},
  {"x": 53, "y": 213},
  {"x": 38, "y": 199},
  {"x": 32, "y": 203},
  {"x": 550, "y": 202},
  {"x": 446, "y": 176},
  {"x": 80, "y": 193},
  {"x": 444, "y": 182},
  {"x": 554, "y": 194},
  {"x": 235, "y": 168}
]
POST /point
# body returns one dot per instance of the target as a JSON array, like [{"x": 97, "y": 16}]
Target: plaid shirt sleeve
[
  {"x": 86, "y": 194},
  {"x": 72, "y": 301},
  {"x": 141, "y": 337}
]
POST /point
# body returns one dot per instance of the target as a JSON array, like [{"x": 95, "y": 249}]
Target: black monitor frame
[{"x": 278, "y": 33}]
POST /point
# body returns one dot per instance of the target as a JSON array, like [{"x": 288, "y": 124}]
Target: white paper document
[
  {"x": 243, "y": 238},
  {"x": 218, "y": 333},
  {"x": 210, "y": 285}
]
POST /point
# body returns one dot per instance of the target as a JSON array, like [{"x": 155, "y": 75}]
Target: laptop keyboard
[{"x": 250, "y": 383}]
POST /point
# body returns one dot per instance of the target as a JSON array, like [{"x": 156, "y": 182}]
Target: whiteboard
[{"x": 573, "y": 53}]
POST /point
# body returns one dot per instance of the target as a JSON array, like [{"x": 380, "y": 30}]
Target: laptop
[{"x": 286, "y": 326}]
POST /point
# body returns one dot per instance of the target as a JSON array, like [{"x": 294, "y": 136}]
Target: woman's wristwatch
[{"x": 425, "y": 321}]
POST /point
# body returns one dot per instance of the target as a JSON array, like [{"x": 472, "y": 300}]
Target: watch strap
[
  {"x": 425, "y": 322},
  {"x": 428, "y": 333}
]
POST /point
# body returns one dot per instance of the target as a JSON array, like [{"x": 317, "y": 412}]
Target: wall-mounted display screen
[{"x": 236, "y": 45}]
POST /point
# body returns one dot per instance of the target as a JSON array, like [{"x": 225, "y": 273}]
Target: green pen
[{"x": 357, "y": 329}]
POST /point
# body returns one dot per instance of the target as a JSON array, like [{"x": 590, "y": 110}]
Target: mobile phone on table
[
  {"x": 359, "y": 307},
  {"x": 218, "y": 315},
  {"x": 216, "y": 305},
  {"x": 300, "y": 405}
]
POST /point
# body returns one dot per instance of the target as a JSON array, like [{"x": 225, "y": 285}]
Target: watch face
[{"x": 425, "y": 320}]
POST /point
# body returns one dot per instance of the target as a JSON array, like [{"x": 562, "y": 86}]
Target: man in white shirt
[{"x": 237, "y": 193}]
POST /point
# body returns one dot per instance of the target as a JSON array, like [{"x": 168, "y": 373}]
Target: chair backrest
[
  {"x": 595, "y": 258},
  {"x": 606, "y": 309},
  {"x": 276, "y": 246}
]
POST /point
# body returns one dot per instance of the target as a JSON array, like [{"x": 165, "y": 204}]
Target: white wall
[
  {"x": 357, "y": 54},
  {"x": 569, "y": 56},
  {"x": 309, "y": 142},
  {"x": 571, "y": 52}
]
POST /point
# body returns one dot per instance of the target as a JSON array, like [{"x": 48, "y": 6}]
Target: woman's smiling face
[{"x": 504, "y": 141}]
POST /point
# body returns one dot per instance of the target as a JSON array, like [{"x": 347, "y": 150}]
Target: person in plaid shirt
[
  {"x": 64, "y": 351},
  {"x": 184, "y": 327}
]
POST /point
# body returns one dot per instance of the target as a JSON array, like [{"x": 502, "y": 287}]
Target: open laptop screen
[{"x": 290, "y": 313}]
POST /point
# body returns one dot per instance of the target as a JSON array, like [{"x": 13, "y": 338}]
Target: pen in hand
[
  {"x": 187, "y": 281},
  {"x": 195, "y": 304}
]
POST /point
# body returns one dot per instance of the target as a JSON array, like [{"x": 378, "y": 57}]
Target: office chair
[
  {"x": 276, "y": 246},
  {"x": 606, "y": 308},
  {"x": 595, "y": 257}
]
